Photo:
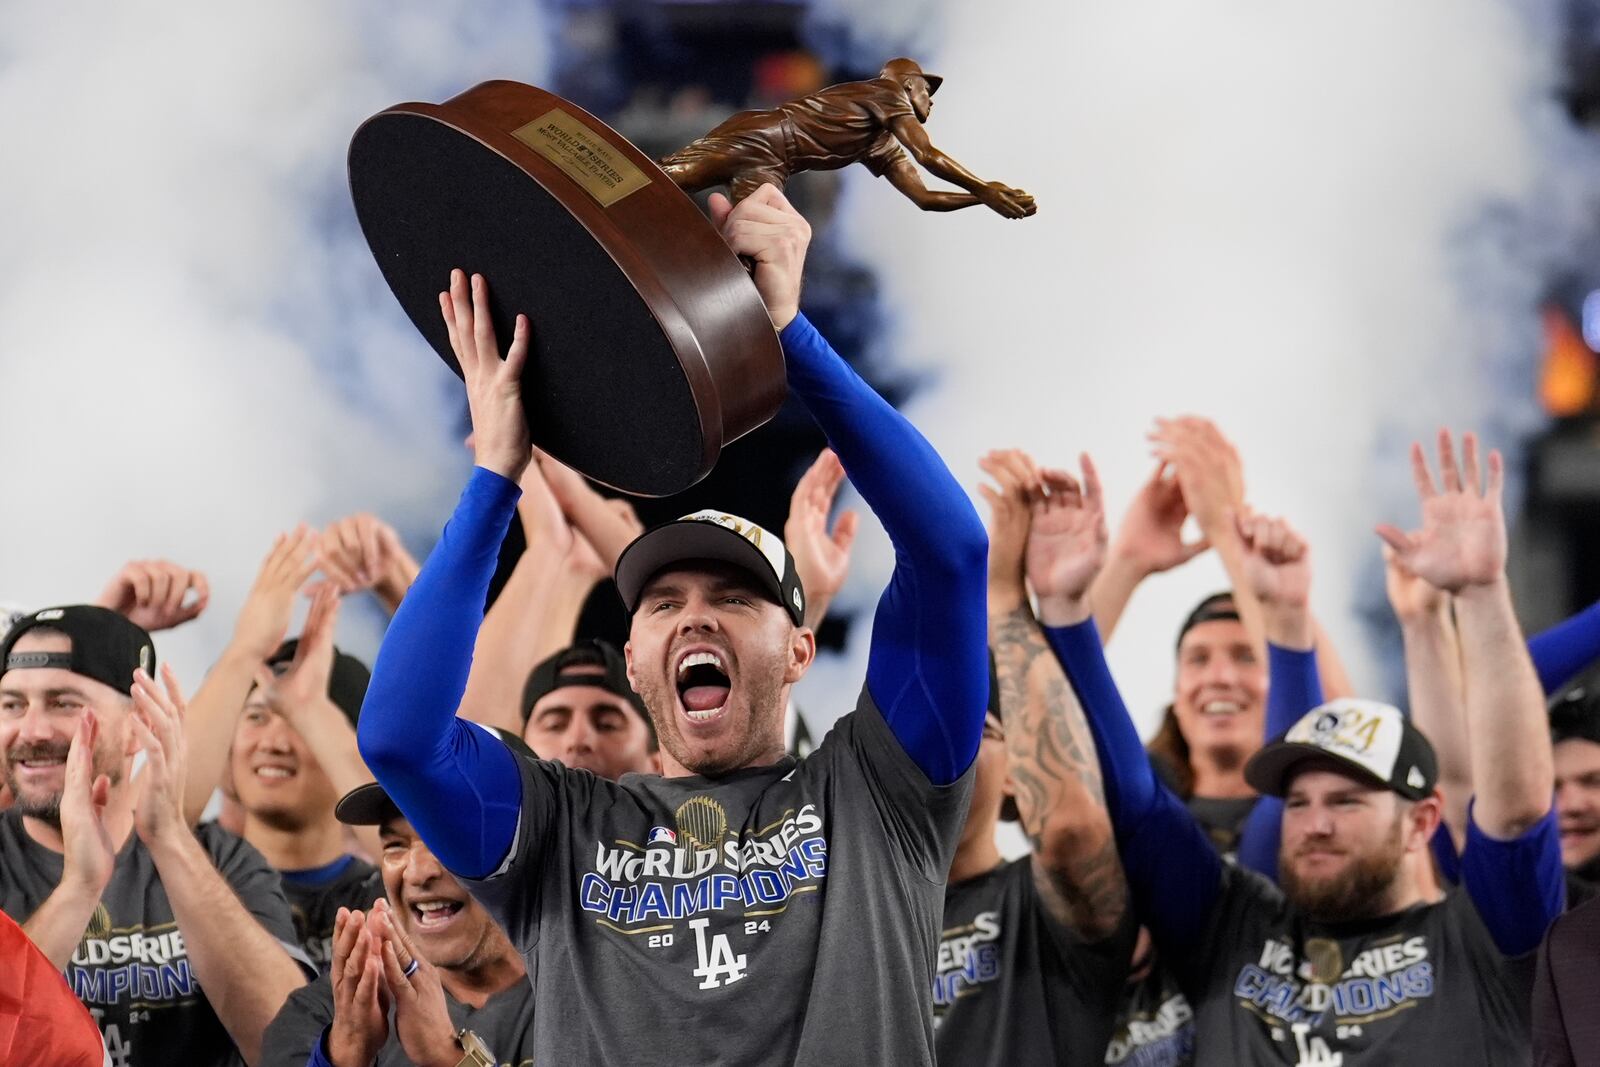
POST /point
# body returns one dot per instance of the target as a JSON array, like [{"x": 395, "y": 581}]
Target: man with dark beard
[
  {"x": 178, "y": 940},
  {"x": 1352, "y": 961}
]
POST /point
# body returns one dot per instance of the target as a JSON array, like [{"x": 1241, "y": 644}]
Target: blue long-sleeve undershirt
[
  {"x": 928, "y": 668},
  {"x": 927, "y": 671},
  {"x": 458, "y": 786},
  {"x": 1562, "y": 652},
  {"x": 1173, "y": 872},
  {"x": 1294, "y": 687}
]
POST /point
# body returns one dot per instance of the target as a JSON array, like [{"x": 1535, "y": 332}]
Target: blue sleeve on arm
[
  {"x": 1173, "y": 872},
  {"x": 1562, "y": 652},
  {"x": 1294, "y": 687},
  {"x": 1518, "y": 886},
  {"x": 319, "y": 1058},
  {"x": 452, "y": 780},
  {"x": 928, "y": 669}
]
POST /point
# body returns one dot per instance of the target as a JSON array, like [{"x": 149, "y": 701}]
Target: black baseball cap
[
  {"x": 1218, "y": 607},
  {"x": 713, "y": 535},
  {"x": 1575, "y": 716},
  {"x": 369, "y": 805},
  {"x": 106, "y": 646},
  {"x": 577, "y": 664},
  {"x": 1374, "y": 741},
  {"x": 347, "y": 680}
]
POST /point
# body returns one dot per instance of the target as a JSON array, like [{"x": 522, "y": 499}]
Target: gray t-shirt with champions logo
[{"x": 777, "y": 915}]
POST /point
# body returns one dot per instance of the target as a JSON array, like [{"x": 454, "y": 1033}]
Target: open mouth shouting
[
  {"x": 703, "y": 684},
  {"x": 432, "y": 914}
]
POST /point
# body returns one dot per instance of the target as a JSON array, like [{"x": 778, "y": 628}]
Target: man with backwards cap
[
  {"x": 1352, "y": 961},
  {"x": 467, "y": 999},
  {"x": 578, "y": 708},
  {"x": 744, "y": 907},
  {"x": 178, "y": 940}
]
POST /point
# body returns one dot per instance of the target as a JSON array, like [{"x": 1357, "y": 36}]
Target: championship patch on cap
[
  {"x": 716, "y": 536},
  {"x": 1374, "y": 739}
]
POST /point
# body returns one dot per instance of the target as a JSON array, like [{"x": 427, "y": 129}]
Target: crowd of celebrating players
[{"x": 498, "y": 845}]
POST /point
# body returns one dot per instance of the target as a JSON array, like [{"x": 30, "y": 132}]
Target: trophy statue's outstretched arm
[{"x": 1002, "y": 199}]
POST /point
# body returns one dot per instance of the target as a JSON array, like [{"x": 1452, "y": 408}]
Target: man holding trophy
[{"x": 745, "y": 906}]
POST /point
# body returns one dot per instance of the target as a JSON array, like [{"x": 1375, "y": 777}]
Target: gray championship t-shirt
[
  {"x": 778, "y": 915},
  {"x": 1154, "y": 1025},
  {"x": 1426, "y": 985},
  {"x": 1015, "y": 988},
  {"x": 315, "y": 905},
  {"x": 131, "y": 970},
  {"x": 505, "y": 1023}
]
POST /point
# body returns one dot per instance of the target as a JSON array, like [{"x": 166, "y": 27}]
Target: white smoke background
[
  {"x": 1325, "y": 225},
  {"x": 196, "y": 350}
]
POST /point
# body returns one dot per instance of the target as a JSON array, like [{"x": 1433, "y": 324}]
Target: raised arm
[
  {"x": 451, "y": 780},
  {"x": 245, "y": 971},
  {"x": 361, "y": 552},
  {"x": 1512, "y": 862},
  {"x": 1564, "y": 651},
  {"x": 1277, "y": 568},
  {"x": 155, "y": 594},
  {"x": 1050, "y": 753},
  {"x": 536, "y": 611},
  {"x": 927, "y": 670},
  {"x": 1212, "y": 478},
  {"x": 1149, "y": 540},
  {"x": 1433, "y": 684},
  {"x": 300, "y": 695},
  {"x": 1174, "y": 874},
  {"x": 263, "y": 621}
]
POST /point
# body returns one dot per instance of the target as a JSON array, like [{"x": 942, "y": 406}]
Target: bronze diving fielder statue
[{"x": 874, "y": 123}]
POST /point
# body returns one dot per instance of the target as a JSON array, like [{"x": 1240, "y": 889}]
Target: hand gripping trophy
[{"x": 650, "y": 346}]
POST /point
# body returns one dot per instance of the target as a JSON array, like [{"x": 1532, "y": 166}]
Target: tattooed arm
[{"x": 1050, "y": 753}]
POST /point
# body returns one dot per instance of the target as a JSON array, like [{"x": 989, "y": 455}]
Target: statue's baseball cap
[
  {"x": 1372, "y": 740},
  {"x": 106, "y": 646},
  {"x": 712, "y": 535},
  {"x": 903, "y": 67},
  {"x": 370, "y": 805},
  {"x": 593, "y": 663}
]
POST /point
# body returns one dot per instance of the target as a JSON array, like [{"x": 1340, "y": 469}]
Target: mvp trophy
[{"x": 650, "y": 346}]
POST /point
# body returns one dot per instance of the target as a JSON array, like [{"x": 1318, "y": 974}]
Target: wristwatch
[{"x": 477, "y": 1053}]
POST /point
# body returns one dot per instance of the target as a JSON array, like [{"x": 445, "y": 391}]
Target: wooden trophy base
[{"x": 651, "y": 348}]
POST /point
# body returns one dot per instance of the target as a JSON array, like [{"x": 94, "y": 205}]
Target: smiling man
[
  {"x": 475, "y": 979},
  {"x": 1355, "y": 960},
  {"x": 176, "y": 939},
  {"x": 744, "y": 906}
]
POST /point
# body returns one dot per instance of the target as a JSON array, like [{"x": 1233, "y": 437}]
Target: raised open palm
[
  {"x": 1067, "y": 539},
  {"x": 1462, "y": 541}
]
